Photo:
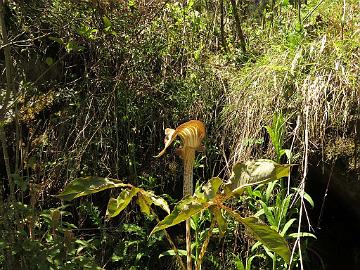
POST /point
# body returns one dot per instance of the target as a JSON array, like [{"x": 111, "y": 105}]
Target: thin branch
[
  {"x": 18, "y": 43},
  {"x": 205, "y": 245},
  {"x": 171, "y": 242}
]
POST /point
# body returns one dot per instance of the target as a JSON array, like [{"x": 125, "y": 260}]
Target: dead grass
[{"x": 322, "y": 72}]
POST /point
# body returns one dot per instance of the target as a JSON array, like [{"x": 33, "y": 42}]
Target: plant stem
[
  {"x": 299, "y": 13},
  {"x": 274, "y": 262},
  {"x": 205, "y": 245},
  {"x": 189, "y": 157},
  {"x": 171, "y": 242},
  {"x": 188, "y": 245}
]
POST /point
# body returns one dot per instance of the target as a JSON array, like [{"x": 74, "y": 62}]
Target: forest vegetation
[{"x": 259, "y": 105}]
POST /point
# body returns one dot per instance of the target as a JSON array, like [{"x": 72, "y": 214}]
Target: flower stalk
[{"x": 191, "y": 134}]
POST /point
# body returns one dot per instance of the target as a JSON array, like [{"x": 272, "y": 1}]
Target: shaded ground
[{"x": 338, "y": 240}]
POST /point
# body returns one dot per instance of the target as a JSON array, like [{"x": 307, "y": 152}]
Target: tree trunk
[
  {"x": 9, "y": 89},
  {"x": 222, "y": 30},
  {"x": 239, "y": 31}
]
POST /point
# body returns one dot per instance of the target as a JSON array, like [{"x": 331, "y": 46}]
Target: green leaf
[
  {"x": 186, "y": 208},
  {"x": 144, "y": 204},
  {"x": 287, "y": 153},
  {"x": 307, "y": 197},
  {"x": 269, "y": 190},
  {"x": 220, "y": 220},
  {"x": 285, "y": 2},
  {"x": 88, "y": 185},
  {"x": 255, "y": 172},
  {"x": 255, "y": 246},
  {"x": 284, "y": 207},
  {"x": 150, "y": 198},
  {"x": 263, "y": 233},
  {"x": 107, "y": 22},
  {"x": 49, "y": 61},
  {"x": 158, "y": 201},
  {"x": 301, "y": 234},
  {"x": 238, "y": 263},
  {"x": 273, "y": 137},
  {"x": 58, "y": 40},
  {"x": 211, "y": 187},
  {"x": 171, "y": 252},
  {"x": 115, "y": 206},
  {"x": 269, "y": 215},
  {"x": 287, "y": 226},
  {"x": 72, "y": 46}
]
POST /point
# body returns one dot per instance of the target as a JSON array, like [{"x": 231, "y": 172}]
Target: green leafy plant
[
  {"x": 53, "y": 243},
  {"x": 276, "y": 132},
  {"x": 145, "y": 199},
  {"x": 272, "y": 202},
  {"x": 211, "y": 197}
]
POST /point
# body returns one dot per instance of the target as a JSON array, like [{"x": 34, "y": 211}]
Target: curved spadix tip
[{"x": 191, "y": 134}]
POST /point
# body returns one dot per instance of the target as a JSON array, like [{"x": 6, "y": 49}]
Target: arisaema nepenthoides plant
[
  {"x": 216, "y": 192},
  {"x": 191, "y": 134},
  {"x": 212, "y": 196}
]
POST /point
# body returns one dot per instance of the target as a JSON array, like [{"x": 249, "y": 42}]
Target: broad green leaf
[
  {"x": 158, "y": 201},
  {"x": 171, "y": 252},
  {"x": 285, "y": 2},
  {"x": 255, "y": 172},
  {"x": 186, "y": 208},
  {"x": 150, "y": 198},
  {"x": 211, "y": 187},
  {"x": 220, "y": 220},
  {"x": 88, "y": 185},
  {"x": 144, "y": 204},
  {"x": 115, "y": 206},
  {"x": 263, "y": 233},
  {"x": 193, "y": 224}
]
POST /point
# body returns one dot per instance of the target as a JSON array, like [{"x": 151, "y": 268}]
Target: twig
[
  {"x": 171, "y": 242},
  {"x": 311, "y": 12},
  {"x": 5, "y": 44},
  {"x": 324, "y": 197},
  {"x": 205, "y": 245}
]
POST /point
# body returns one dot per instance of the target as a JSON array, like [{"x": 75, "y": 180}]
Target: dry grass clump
[{"x": 316, "y": 82}]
